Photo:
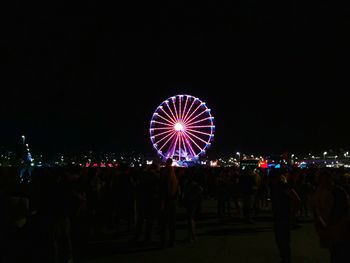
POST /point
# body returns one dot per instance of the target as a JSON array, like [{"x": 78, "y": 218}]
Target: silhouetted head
[
  {"x": 154, "y": 167},
  {"x": 325, "y": 177},
  {"x": 276, "y": 176},
  {"x": 169, "y": 162}
]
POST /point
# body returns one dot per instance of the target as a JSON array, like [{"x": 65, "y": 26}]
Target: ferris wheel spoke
[
  {"x": 188, "y": 136},
  {"x": 201, "y": 126},
  {"x": 161, "y": 128},
  {"x": 189, "y": 109},
  {"x": 162, "y": 139},
  {"x": 176, "y": 114},
  {"x": 191, "y": 122},
  {"x": 172, "y": 135},
  {"x": 195, "y": 117},
  {"x": 184, "y": 146},
  {"x": 171, "y": 112},
  {"x": 173, "y": 148},
  {"x": 198, "y": 138},
  {"x": 200, "y": 132},
  {"x": 192, "y": 150},
  {"x": 193, "y": 112},
  {"x": 167, "y": 114},
  {"x": 188, "y": 148},
  {"x": 165, "y": 119},
  {"x": 162, "y": 133},
  {"x": 184, "y": 110},
  {"x": 180, "y": 99},
  {"x": 163, "y": 123},
  {"x": 179, "y": 136}
]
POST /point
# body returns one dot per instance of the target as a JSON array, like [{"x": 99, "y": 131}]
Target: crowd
[{"x": 52, "y": 218}]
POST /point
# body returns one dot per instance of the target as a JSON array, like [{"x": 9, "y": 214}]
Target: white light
[{"x": 178, "y": 127}]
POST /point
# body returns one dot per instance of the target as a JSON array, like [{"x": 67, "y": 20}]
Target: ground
[{"x": 221, "y": 240}]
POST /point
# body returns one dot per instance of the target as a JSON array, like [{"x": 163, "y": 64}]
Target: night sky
[{"x": 89, "y": 76}]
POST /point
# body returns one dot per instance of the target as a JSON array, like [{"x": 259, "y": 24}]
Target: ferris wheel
[{"x": 182, "y": 128}]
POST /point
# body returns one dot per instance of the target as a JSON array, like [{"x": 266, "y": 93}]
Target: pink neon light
[
  {"x": 189, "y": 122},
  {"x": 195, "y": 136},
  {"x": 185, "y": 120}
]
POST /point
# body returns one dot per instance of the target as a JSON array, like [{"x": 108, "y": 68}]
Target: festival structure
[{"x": 182, "y": 128}]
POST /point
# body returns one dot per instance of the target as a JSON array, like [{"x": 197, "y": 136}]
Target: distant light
[{"x": 213, "y": 163}]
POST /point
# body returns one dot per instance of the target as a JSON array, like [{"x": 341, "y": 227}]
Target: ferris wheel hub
[{"x": 179, "y": 127}]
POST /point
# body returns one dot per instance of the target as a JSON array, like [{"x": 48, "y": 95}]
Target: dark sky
[{"x": 87, "y": 75}]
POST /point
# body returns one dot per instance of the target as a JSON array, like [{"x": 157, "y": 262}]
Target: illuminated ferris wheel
[{"x": 182, "y": 128}]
